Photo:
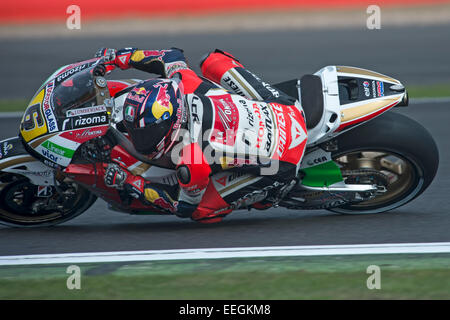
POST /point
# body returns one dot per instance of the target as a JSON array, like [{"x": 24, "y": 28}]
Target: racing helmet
[{"x": 153, "y": 113}]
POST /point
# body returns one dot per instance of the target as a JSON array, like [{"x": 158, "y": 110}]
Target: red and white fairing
[{"x": 247, "y": 127}]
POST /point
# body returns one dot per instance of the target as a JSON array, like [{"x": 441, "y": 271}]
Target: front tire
[
  {"x": 396, "y": 146},
  {"x": 21, "y": 207}
]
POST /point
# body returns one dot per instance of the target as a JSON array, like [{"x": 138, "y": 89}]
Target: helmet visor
[{"x": 146, "y": 139}]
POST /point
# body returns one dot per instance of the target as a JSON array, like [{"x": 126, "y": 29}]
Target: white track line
[
  {"x": 429, "y": 100},
  {"x": 11, "y": 115},
  {"x": 221, "y": 253}
]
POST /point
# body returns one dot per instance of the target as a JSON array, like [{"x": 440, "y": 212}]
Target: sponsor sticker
[
  {"x": 226, "y": 120},
  {"x": 154, "y": 197},
  {"x": 366, "y": 85},
  {"x": 298, "y": 134},
  {"x": 380, "y": 89},
  {"x": 315, "y": 158},
  {"x": 163, "y": 203},
  {"x": 196, "y": 114},
  {"x": 316, "y": 161},
  {"x": 48, "y": 112},
  {"x": 222, "y": 181},
  {"x": 129, "y": 113},
  {"x": 89, "y": 133},
  {"x": 42, "y": 174},
  {"x": 50, "y": 163},
  {"x": 228, "y": 81},
  {"x": 49, "y": 155},
  {"x": 144, "y": 54},
  {"x": 234, "y": 162},
  {"x": 374, "y": 89},
  {"x": 196, "y": 109},
  {"x": 90, "y": 121},
  {"x": 58, "y": 150},
  {"x": 123, "y": 59},
  {"x": 85, "y": 111},
  {"x": 281, "y": 121},
  {"x": 274, "y": 92},
  {"x": 85, "y": 134},
  {"x": 4, "y": 149},
  {"x": 229, "y": 178},
  {"x": 68, "y": 73},
  {"x": 44, "y": 191},
  {"x": 250, "y": 117},
  {"x": 138, "y": 184},
  {"x": 174, "y": 67},
  {"x": 269, "y": 126},
  {"x": 138, "y": 95}
]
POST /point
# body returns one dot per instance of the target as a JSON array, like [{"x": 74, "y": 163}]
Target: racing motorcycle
[{"x": 359, "y": 158}]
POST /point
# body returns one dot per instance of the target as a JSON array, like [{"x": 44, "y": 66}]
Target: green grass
[
  {"x": 404, "y": 276},
  {"x": 415, "y": 91},
  {"x": 429, "y": 91},
  {"x": 13, "y": 105}
]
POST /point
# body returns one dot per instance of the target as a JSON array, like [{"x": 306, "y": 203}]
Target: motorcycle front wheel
[
  {"x": 23, "y": 204},
  {"x": 393, "y": 150}
]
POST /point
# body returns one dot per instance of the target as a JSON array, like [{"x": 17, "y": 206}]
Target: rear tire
[{"x": 402, "y": 138}]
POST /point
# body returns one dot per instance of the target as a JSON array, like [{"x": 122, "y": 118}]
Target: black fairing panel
[
  {"x": 311, "y": 96},
  {"x": 11, "y": 147}
]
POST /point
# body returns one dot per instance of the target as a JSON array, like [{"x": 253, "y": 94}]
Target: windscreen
[{"x": 75, "y": 92}]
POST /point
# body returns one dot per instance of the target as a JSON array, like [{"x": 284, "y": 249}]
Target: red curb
[{"x": 33, "y": 11}]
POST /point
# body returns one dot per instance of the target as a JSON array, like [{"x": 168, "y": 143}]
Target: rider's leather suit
[{"x": 248, "y": 119}]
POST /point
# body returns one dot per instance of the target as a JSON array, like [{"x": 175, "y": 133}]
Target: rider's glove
[
  {"x": 115, "y": 176},
  {"x": 120, "y": 58},
  {"x": 123, "y": 57},
  {"x": 108, "y": 54},
  {"x": 108, "y": 63}
]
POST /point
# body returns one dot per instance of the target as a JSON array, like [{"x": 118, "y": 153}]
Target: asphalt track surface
[
  {"x": 412, "y": 55},
  {"x": 415, "y": 55}
]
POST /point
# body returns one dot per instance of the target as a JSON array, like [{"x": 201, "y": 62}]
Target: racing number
[{"x": 33, "y": 118}]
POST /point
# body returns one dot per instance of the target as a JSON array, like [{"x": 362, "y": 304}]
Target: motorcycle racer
[{"x": 256, "y": 125}]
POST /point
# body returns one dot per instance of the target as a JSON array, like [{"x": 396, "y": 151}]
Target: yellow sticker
[
  {"x": 227, "y": 163},
  {"x": 137, "y": 56},
  {"x": 37, "y": 130},
  {"x": 151, "y": 194},
  {"x": 159, "y": 110}
]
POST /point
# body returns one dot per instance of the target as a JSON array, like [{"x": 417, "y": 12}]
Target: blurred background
[{"x": 278, "y": 40}]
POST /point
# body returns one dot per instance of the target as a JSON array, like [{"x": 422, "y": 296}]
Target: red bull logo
[
  {"x": 140, "y": 91},
  {"x": 162, "y": 107},
  {"x": 155, "y": 53},
  {"x": 144, "y": 54},
  {"x": 154, "y": 197},
  {"x": 138, "y": 94},
  {"x": 162, "y": 203}
]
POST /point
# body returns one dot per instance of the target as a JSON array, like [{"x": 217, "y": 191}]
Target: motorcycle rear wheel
[{"x": 396, "y": 146}]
